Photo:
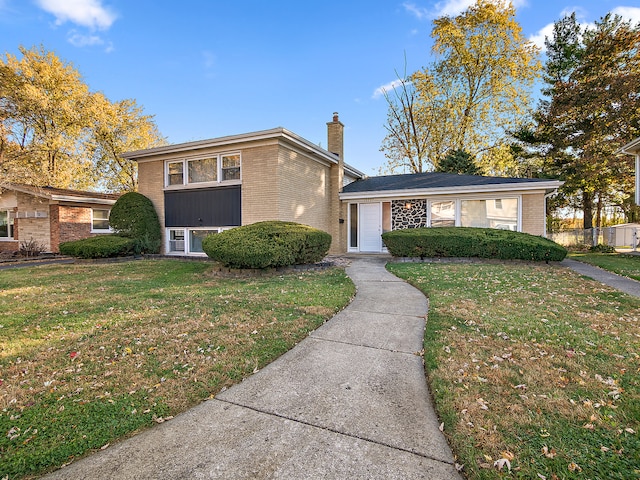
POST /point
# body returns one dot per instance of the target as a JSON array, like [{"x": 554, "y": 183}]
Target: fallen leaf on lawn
[
  {"x": 501, "y": 462},
  {"x": 574, "y": 467},
  {"x": 604, "y": 449},
  {"x": 508, "y": 455},
  {"x": 629, "y": 430},
  {"x": 547, "y": 453},
  {"x": 542, "y": 476}
]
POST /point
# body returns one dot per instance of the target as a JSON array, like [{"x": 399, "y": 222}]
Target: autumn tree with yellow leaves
[
  {"x": 54, "y": 131},
  {"x": 475, "y": 92}
]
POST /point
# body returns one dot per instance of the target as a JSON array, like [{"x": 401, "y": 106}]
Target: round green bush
[
  {"x": 102, "y": 246},
  {"x": 134, "y": 216},
  {"x": 267, "y": 245},
  {"x": 471, "y": 242}
]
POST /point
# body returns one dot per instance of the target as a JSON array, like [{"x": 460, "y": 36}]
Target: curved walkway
[{"x": 350, "y": 401}]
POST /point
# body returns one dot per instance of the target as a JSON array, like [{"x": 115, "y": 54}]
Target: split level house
[
  {"x": 204, "y": 187},
  {"x": 49, "y": 216}
]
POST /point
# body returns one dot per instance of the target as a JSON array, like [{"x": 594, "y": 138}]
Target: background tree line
[
  {"x": 55, "y": 132},
  {"x": 471, "y": 110}
]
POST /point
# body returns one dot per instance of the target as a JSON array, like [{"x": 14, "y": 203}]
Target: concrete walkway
[
  {"x": 624, "y": 284},
  {"x": 350, "y": 401}
]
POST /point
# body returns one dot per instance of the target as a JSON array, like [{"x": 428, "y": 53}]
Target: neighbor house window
[
  {"x": 6, "y": 224},
  {"x": 443, "y": 214},
  {"x": 100, "y": 220},
  {"x": 203, "y": 170},
  {"x": 214, "y": 169}
]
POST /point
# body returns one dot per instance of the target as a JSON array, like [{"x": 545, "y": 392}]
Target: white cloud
[
  {"x": 380, "y": 91},
  {"x": 539, "y": 37},
  {"x": 418, "y": 12},
  {"x": 449, "y": 8},
  {"x": 79, "y": 40},
  {"x": 628, "y": 13},
  {"x": 86, "y": 13}
]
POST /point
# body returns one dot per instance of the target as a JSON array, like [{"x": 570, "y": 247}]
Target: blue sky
[{"x": 206, "y": 69}]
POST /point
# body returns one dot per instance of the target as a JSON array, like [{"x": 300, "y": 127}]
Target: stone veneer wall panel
[{"x": 414, "y": 217}]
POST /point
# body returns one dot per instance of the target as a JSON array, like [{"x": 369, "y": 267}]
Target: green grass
[
  {"x": 533, "y": 364},
  {"x": 92, "y": 353},
  {"x": 620, "y": 263}
]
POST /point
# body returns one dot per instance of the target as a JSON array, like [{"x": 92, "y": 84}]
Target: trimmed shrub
[
  {"x": 471, "y": 242},
  {"x": 134, "y": 216},
  {"x": 601, "y": 248},
  {"x": 102, "y": 246},
  {"x": 267, "y": 245}
]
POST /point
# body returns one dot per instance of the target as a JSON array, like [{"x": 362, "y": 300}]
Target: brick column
[{"x": 337, "y": 213}]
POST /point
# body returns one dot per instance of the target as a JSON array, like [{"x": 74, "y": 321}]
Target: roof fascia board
[
  {"x": 631, "y": 148},
  {"x": 510, "y": 188},
  {"x": 67, "y": 198},
  {"x": 235, "y": 140}
]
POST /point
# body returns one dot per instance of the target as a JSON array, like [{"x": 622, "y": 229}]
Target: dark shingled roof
[{"x": 429, "y": 180}]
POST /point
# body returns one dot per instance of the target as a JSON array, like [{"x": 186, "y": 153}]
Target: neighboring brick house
[
  {"x": 207, "y": 186},
  {"x": 50, "y": 216}
]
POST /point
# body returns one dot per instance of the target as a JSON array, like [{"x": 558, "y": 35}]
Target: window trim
[
  {"x": 185, "y": 171},
  {"x": 100, "y": 230},
  {"x": 187, "y": 240},
  {"x": 458, "y": 206},
  {"x": 10, "y": 226}
]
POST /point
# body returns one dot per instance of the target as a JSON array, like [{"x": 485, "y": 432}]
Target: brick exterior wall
[
  {"x": 260, "y": 183},
  {"x": 151, "y": 185},
  {"x": 37, "y": 229},
  {"x": 533, "y": 214}
]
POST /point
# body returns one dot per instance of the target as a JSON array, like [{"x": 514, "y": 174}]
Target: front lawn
[
  {"x": 94, "y": 352},
  {"x": 620, "y": 263},
  {"x": 533, "y": 368}
]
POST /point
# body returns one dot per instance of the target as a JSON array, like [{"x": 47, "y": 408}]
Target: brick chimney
[
  {"x": 335, "y": 145},
  {"x": 335, "y": 136}
]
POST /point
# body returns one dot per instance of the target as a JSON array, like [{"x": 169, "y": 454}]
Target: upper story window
[
  {"x": 6, "y": 224},
  {"x": 100, "y": 220},
  {"x": 231, "y": 167},
  {"x": 214, "y": 169},
  {"x": 175, "y": 173},
  {"x": 203, "y": 170}
]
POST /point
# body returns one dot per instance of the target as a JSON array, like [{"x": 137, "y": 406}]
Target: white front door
[{"x": 370, "y": 228}]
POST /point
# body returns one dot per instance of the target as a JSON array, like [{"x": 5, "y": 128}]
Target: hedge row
[
  {"x": 471, "y": 242},
  {"x": 102, "y": 246},
  {"x": 267, "y": 245}
]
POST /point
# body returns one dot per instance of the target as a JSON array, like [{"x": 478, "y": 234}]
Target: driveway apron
[{"x": 350, "y": 401}]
